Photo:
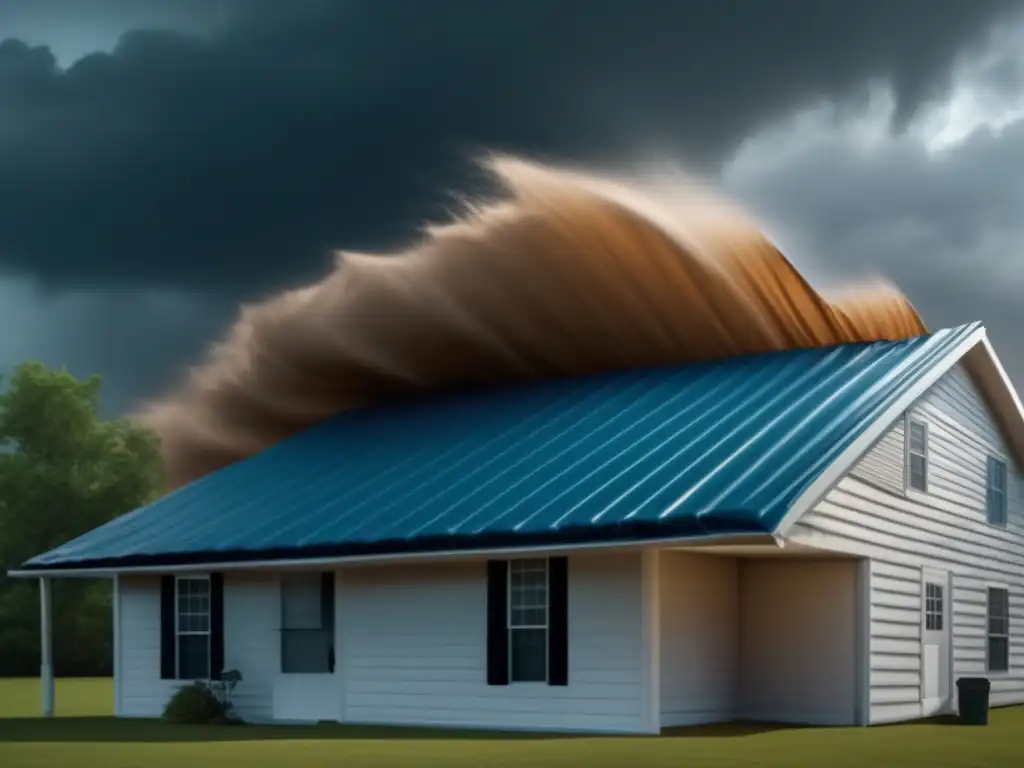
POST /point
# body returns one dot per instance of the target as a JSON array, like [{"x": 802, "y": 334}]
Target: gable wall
[{"x": 870, "y": 514}]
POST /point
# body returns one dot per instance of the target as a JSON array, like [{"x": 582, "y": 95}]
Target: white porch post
[
  {"x": 116, "y": 618},
  {"x": 46, "y": 644}
]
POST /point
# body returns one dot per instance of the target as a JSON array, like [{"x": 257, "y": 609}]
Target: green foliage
[
  {"x": 205, "y": 703},
  {"x": 63, "y": 471},
  {"x": 195, "y": 704}
]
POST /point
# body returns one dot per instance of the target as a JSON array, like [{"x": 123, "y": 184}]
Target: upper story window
[
  {"x": 917, "y": 455},
  {"x": 995, "y": 496}
]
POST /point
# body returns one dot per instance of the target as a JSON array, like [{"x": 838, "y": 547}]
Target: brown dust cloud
[{"x": 563, "y": 273}]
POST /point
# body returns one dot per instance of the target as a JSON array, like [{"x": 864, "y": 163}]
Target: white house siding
[
  {"x": 903, "y": 532},
  {"x": 251, "y": 640},
  {"x": 142, "y": 692},
  {"x": 884, "y": 464},
  {"x": 250, "y": 644},
  {"x": 412, "y": 646},
  {"x": 797, "y": 648},
  {"x": 698, "y": 638}
]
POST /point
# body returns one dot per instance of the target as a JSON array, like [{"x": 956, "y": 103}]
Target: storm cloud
[{"x": 216, "y": 157}]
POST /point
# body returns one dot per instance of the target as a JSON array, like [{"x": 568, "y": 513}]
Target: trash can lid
[{"x": 973, "y": 682}]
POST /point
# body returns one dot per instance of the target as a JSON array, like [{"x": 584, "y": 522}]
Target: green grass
[
  {"x": 84, "y": 734},
  {"x": 21, "y": 697}
]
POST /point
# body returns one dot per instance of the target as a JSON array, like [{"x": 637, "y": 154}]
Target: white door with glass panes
[
  {"x": 306, "y": 687},
  {"x": 936, "y": 655}
]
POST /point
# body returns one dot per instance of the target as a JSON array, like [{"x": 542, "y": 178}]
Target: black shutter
[
  {"x": 558, "y": 621},
  {"x": 327, "y": 600},
  {"x": 497, "y": 622},
  {"x": 327, "y": 613},
  {"x": 216, "y": 625},
  {"x": 167, "y": 634}
]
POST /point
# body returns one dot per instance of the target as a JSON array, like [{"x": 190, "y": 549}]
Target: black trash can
[{"x": 972, "y": 696}]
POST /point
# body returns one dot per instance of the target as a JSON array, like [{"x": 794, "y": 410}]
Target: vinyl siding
[
  {"x": 797, "y": 661},
  {"x": 414, "y": 649},
  {"x": 884, "y": 465},
  {"x": 905, "y": 531},
  {"x": 699, "y": 615},
  {"x": 143, "y": 693},
  {"x": 251, "y": 641},
  {"x": 249, "y": 644}
]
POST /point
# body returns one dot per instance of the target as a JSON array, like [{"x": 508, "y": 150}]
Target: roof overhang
[
  {"x": 705, "y": 542},
  {"x": 984, "y": 367}
]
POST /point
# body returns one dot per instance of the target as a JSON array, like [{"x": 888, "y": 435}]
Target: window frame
[
  {"x": 989, "y": 589},
  {"x": 511, "y": 628},
  {"x": 909, "y": 452},
  {"x": 934, "y": 607},
  {"x": 178, "y": 633},
  {"x": 1002, "y": 519}
]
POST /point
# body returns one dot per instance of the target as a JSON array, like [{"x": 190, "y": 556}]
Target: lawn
[{"x": 84, "y": 734}]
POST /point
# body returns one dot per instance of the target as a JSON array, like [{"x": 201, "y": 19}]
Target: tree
[{"x": 63, "y": 471}]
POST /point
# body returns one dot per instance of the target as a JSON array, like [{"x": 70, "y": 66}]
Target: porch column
[{"x": 46, "y": 643}]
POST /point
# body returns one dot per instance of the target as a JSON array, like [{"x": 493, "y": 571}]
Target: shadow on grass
[
  {"x": 937, "y": 720},
  {"x": 736, "y": 729},
  {"x": 109, "y": 729}
]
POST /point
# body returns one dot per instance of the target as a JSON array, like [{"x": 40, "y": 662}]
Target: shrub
[
  {"x": 195, "y": 704},
  {"x": 205, "y": 703}
]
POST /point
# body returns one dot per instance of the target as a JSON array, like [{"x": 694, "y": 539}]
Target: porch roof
[{"x": 684, "y": 452}]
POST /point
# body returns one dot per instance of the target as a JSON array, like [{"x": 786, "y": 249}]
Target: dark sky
[{"x": 161, "y": 162}]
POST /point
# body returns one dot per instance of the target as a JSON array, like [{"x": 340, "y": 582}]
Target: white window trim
[
  {"x": 941, "y": 612},
  {"x": 509, "y": 628},
  {"x": 177, "y": 620},
  {"x": 1004, "y": 492},
  {"x": 988, "y": 665},
  {"x": 907, "y": 453}
]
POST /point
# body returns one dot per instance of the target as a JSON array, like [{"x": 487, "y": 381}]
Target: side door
[{"x": 936, "y": 635}]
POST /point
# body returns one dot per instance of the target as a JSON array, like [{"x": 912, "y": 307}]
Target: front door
[
  {"x": 306, "y": 687},
  {"x": 936, "y": 630}
]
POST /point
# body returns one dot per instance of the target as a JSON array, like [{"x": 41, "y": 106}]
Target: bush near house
[
  {"x": 205, "y": 703},
  {"x": 194, "y": 704}
]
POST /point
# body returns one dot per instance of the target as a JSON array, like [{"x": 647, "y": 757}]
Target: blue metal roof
[{"x": 712, "y": 448}]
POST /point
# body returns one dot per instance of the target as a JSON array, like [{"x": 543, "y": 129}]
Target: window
[
  {"x": 192, "y": 628},
  {"x": 933, "y": 607},
  {"x": 995, "y": 498},
  {"x": 917, "y": 456},
  {"x": 307, "y": 623},
  {"x": 998, "y": 629},
  {"x": 528, "y": 621}
]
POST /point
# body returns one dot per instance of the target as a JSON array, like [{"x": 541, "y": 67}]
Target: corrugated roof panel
[{"x": 725, "y": 446}]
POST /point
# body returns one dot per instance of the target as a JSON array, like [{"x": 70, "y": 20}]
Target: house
[{"x": 827, "y": 536}]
